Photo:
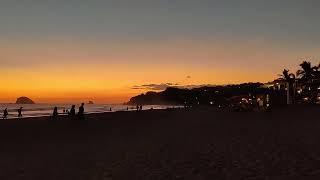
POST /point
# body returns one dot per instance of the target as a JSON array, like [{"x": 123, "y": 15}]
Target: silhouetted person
[
  {"x": 137, "y": 108},
  {"x": 110, "y": 109},
  {"x": 55, "y": 113},
  {"x": 5, "y": 114},
  {"x": 20, "y": 112},
  {"x": 81, "y": 112},
  {"x": 140, "y": 107},
  {"x": 127, "y": 108},
  {"x": 72, "y": 112}
]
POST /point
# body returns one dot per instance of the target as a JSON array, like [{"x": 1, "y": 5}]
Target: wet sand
[{"x": 164, "y": 144}]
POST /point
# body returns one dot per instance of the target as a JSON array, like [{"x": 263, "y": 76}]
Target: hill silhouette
[{"x": 213, "y": 95}]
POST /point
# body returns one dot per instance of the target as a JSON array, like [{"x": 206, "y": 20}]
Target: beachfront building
[
  {"x": 298, "y": 92},
  {"x": 283, "y": 87}
]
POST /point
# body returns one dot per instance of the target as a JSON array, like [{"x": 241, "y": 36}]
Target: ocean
[{"x": 39, "y": 110}]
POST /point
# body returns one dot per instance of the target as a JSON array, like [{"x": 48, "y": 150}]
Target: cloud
[
  {"x": 155, "y": 87},
  {"x": 163, "y": 86}
]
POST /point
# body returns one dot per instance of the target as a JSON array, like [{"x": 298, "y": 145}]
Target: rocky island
[
  {"x": 24, "y": 100},
  {"x": 90, "y": 102}
]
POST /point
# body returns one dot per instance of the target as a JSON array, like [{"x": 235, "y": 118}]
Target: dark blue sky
[{"x": 284, "y": 21}]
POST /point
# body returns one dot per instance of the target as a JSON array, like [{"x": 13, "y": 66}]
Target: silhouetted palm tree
[
  {"x": 290, "y": 79},
  {"x": 317, "y": 71},
  {"x": 286, "y": 76},
  {"x": 308, "y": 74}
]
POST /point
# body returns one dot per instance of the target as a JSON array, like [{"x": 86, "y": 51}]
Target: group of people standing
[
  {"x": 55, "y": 114},
  {"x": 6, "y": 113},
  {"x": 71, "y": 113}
]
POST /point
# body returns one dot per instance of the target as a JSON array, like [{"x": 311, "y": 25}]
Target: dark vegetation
[
  {"x": 214, "y": 95},
  {"x": 304, "y": 86}
]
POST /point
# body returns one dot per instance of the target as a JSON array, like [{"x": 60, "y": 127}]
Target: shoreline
[
  {"x": 86, "y": 113},
  {"x": 65, "y": 116},
  {"x": 181, "y": 109}
]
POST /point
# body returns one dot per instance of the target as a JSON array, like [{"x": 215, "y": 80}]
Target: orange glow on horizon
[
  {"x": 102, "y": 85},
  {"x": 106, "y": 72}
]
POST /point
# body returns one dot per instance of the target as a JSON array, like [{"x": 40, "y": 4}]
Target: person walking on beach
[
  {"x": 81, "y": 112},
  {"x": 55, "y": 113},
  {"x": 5, "y": 114},
  {"x": 72, "y": 112},
  {"x": 20, "y": 112}
]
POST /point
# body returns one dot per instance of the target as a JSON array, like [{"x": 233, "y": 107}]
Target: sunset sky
[{"x": 80, "y": 50}]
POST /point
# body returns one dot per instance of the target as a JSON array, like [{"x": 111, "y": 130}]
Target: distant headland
[{"x": 206, "y": 95}]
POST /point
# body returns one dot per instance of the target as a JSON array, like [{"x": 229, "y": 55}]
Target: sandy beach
[{"x": 164, "y": 144}]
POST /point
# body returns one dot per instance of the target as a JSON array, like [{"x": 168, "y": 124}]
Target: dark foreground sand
[{"x": 199, "y": 144}]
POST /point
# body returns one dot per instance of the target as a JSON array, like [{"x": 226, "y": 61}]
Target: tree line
[{"x": 303, "y": 84}]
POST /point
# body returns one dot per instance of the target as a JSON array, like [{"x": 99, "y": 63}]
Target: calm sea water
[{"x": 39, "y": 110}]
